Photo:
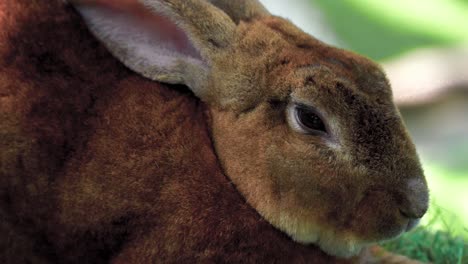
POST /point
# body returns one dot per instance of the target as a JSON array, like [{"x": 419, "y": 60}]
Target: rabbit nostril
[{"x": 412, "y": 214}]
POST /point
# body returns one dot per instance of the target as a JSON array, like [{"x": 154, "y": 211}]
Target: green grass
[
  {"x": 437, "y": 241},
  {"x": 427, "y": 246},
  {"x": 442, "y": 236}
]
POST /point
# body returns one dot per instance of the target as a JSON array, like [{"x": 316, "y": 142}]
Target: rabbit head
[{"x": 308, "y": 133}]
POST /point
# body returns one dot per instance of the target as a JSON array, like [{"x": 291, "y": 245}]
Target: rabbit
[{"x": 181, "y": 131}]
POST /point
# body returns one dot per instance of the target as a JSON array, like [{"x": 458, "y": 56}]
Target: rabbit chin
[
  {"x": 333, "y": 242},
  {"x": 338, "y": 245}
]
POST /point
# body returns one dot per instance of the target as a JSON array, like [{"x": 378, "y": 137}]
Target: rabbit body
[{"x": 99, "y": 164}]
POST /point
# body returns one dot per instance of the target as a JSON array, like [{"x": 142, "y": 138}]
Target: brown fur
[
  {"x": 357, "y": 189},
  {"x": 99, "y": 164}
]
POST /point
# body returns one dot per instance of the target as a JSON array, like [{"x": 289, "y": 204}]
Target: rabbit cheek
[
  {"x": 376, "y": 219},
  {"x": 285, "y": 180}
]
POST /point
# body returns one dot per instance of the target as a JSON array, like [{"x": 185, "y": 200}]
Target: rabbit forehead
[{"x": 270, "y": 57}]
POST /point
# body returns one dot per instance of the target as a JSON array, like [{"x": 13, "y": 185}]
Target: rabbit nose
[
  {"x": 417, "y": 199},
  {"x": 413, "y": 213}
]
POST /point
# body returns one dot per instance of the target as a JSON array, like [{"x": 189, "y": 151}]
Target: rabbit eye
[
  {"x": 309, "y": 120},
  {"x": 306, "y": 120}
]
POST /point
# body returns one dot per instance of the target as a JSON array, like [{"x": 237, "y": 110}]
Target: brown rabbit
[{"x": 283, "y": 150}]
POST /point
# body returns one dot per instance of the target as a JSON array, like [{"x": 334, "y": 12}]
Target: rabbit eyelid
[{"x": 317, "y": 124}]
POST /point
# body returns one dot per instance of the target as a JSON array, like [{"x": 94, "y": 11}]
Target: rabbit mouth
[
  {"x": 345, "y": 243},
  {"x": 338, "y": 243},
  {"x": 412, "y": 224}
]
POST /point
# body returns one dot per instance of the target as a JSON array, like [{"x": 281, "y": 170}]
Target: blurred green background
[{"x": 386, "y": 31}]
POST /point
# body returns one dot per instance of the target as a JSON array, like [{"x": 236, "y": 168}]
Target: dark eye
[{"x": 309, "y": 120}]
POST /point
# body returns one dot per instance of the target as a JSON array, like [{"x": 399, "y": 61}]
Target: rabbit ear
[
  {"x": 169, "y": 41},
  {"x": 241, "y": 10}
]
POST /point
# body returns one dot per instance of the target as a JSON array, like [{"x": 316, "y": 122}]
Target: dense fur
[
  {"x": 340, "y": 192},
  {"x": 99, "y": 164}
]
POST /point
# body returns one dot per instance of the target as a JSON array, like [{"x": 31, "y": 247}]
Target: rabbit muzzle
[{"x": 417, "y": 199}]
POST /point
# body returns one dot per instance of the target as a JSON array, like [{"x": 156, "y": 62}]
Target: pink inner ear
[{"x": 167, "y": 31}]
